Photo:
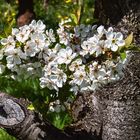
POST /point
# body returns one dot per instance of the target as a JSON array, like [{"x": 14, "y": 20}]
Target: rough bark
[
  {"x": 121, "y": 118},
  {"x": 113, "y": 111}
]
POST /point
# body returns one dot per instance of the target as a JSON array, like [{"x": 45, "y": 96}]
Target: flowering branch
[{"x": 32, "y": 51}]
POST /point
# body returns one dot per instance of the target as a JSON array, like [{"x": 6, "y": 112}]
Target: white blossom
[
  {"x": 15, "y": 56},
  {"x": 75, "y": 65},
  {"x": 2, "y": 68},
  {"x": 114, "y": 40},
  {"x": 93, "y": 68},
  {"x": 39, "y": 40},
  {"x": 21, "y": 34},
  {"x": 97, "y": 46},
  {"x": 82, "y": 30},
  {"x": 46, "y": 82},
  {"x": 50, "y": 36},
  {"x": 92, "y": 46},
  {"x": 56, "y": 106},
  {"x": 64, "y": 37},
  {"x": 79, "y": 77},
  {"x": 65, "y": 56},
  {"x": 58, "y": 77},
  {"x": 30, "y": 49},
  {"x": 8, "y": 42},
  {"x": 100, "y": 31},
  {"x": 54, "y": 76},
  {"x": 38, "y": 26},
  {"x": 1, "y": 53},
  {"x": 86, "y": 48}
]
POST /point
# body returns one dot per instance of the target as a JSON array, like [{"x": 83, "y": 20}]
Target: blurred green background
[{"x": 79, "y": 11}]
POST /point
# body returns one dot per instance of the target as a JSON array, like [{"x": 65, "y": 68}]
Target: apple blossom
[{"x": 63, "y": 58}]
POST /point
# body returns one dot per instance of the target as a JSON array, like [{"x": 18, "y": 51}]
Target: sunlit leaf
[
  {"x": 123, "y": 55},
  {"x": 68, "y": 1},
  {"x": 129, "y": 40},
  {"x": 74, "y": 18},
  {"x": 31, "y": 107}
]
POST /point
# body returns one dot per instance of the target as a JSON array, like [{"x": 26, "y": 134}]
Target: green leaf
[
  {"x": 123, "y": 55},
  {"x": 129, "y": 40},
  {"x": 31, "y": 107},
  {"x": 74, "y": 18}
]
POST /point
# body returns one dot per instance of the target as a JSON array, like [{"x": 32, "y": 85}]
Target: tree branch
[
  {"x": 25, "y": 12},
  {"x": 29, "y": 125}
]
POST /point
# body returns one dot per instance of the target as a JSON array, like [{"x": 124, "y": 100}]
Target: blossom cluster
[{"x": 83, "y": 57}]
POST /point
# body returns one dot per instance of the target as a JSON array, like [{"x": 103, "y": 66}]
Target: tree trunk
[
  {"x": 25, "y": 12},
  {"x": 111, "y": 113},
  {"x": 123, "y": 14},
  {"x": 121, "y": 118},
  {"x": 45, "y": 4}
]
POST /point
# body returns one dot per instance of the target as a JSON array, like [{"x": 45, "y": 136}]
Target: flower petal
[{"x": 114, "y": 47}]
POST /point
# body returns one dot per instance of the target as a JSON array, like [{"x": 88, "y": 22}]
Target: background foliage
[{"x": 79, "y": 11}]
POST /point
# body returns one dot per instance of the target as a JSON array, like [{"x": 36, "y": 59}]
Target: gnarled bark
[{"x": 28, "y": 125}]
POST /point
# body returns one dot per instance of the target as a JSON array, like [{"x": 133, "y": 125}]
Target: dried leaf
[{"x": 129, "y": 40}]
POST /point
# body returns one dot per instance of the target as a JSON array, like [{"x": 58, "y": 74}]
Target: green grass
[{"x": 5, "y": 136}]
